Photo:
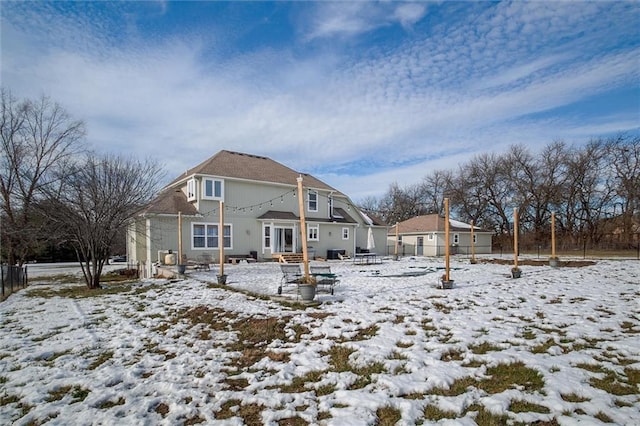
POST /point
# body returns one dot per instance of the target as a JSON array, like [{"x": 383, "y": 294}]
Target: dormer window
[
  {"x": 312, "y": 201},
  {"x": 212, "y": 189},
  {"x": 191, "y": 190}
]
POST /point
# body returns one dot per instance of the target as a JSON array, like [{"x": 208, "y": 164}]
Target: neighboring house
[
  {"x": 425, "y": 236},
  {"x": 261, "y": 214}
]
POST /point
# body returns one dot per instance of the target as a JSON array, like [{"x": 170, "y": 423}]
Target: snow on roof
[{"x": 458, "y": 224}]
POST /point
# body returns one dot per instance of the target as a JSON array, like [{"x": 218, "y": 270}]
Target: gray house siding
[{"x": 251, "y": 207}]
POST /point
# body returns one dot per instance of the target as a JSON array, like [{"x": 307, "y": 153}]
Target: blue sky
[{"x": 360, "y": 94}]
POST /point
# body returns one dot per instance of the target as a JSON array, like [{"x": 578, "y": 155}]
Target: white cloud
[{"x": 462, "y": 89}]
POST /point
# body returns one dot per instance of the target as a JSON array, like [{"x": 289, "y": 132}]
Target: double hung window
[
  {"x": 313, "y": 232},
  {"x": 312, "y": 201},
  {"x": 212, "y": 189},
  {"x": 206, "y": 235}
]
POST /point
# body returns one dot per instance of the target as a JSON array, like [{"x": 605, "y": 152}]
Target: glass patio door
[{"x": 283, "y": 240}]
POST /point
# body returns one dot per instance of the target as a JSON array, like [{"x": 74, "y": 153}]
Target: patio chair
[
  {"x": 324, "y": 277},
  {"x": 291, "y": 275}
]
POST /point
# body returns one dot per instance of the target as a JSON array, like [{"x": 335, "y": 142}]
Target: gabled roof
[
  {"x": 431, "y": 223},
  {"x": 171, "y": 201},
  {"x": 230, "y": 164}
]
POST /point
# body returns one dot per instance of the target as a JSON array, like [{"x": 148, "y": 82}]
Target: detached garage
[{"x": 425, "y": 236}]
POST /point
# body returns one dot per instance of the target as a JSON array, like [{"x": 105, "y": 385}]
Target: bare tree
[
  {"x": 624, "y": 157},
  {"x": 97, "y": 202},
  {"x": 39, "y": 139},
  {"x": 588, "y": 193},
  {"x": 434, "y": 188}
]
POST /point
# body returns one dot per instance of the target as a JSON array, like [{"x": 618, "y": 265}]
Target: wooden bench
[{"x": 237, "y": 258}]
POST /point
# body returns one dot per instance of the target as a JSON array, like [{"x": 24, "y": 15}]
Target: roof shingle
[{"x": 239, "y": 165}]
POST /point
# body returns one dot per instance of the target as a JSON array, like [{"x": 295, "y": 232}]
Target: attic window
[
  {"x": 312, "y": 201},
  {"x": 191, "y": 190},
  {"x": 212, "y": 189}
]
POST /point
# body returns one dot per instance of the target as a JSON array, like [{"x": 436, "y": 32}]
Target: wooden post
[
  {"x": 395, "y": 253},
  {"x": 553, "y": 235},
  {"x": 221, "y": 237},
  {"x": 473, "y": 246},
  {"x": 179, "y": 262},
  {"x": 446, "y": 239},
  {"x": 515, "y": 238},
  {"x": 303, "y": 230}
]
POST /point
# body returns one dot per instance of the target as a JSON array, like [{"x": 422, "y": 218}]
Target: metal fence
[
  {"x": 13, "y": 279},
  {"x": 455, "y": 249}
]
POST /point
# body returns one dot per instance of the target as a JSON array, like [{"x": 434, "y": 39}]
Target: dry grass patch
[
  {"x": 487, "y": 418},
  {"x": 339, "y": 358},
  {"x": 628, "y": 328},
  {"x": 613, "y": 384},
  {"x": 251, "y": 414},
  {"x": 228, "y": 409},
  {"x": 366, "y": 333},
  {"x": 434, "y": 413},
  {"x": 365, "y": 373},
  {"x": 442, "y": 307},
  {"x": 78, "y": 393},
  {"x": 162, "y": 409},
  {"x": 301, "y": 383},
  {"x": 544, "y": 347},
  {"x": 633, "y": 376},
  {"x": 79, "y": 291},
  {"x": 572, "y": 397},
  {"x": 603, "y": 417},
  {"x": 427, "y": 324},
  {"x": 100, "y": 359},
  {"x": 236, "y": 384},
  {"x": 278, "y": 356},
  {"x": 528, "y": 334},
  {"x": 110, "y": 404},
  {"x": 387, "y": 416},
  {"x": 520, "y": 406},
  {"x": 293, "y": 421},
  {"x": 458, "y": 387},
  {"x": 484, "y": 347},
  {"x": 453, "y": 354},
  {"x": 516, "y": 374}
]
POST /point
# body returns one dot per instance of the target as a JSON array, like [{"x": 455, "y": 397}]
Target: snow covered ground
[{"x": 559, "y": 345}]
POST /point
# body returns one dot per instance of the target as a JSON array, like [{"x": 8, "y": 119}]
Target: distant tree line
[
  {"x": 593, "y": 190},
  {"x": 55, "y": 195}
]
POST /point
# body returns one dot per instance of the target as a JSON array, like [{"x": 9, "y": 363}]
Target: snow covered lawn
[{"x": 557, "y": 346}]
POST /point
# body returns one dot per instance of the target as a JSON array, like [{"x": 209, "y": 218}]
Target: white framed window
[
  {"x": 212, "y": 189},
  {"x": 312, "y": 201},
  {"x": 266, "y": 237},
  {"x": 313, "y": 232},
  {"x": 430, "y": 237},
  {"x": 191, "y": 190},
  {"x": 206, "y": 235},
  {"x": 345, "y": 233},
  {"x": 456, "y": 238},
  {"x": 475, "y": 238}
]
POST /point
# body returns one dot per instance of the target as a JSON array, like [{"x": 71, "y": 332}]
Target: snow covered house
[
  {"x": 425, "y": 236},
  {"x": 261, "y": 214}
]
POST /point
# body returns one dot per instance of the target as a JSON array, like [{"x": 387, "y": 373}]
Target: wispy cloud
[
  {"x": 346, "y": 19},
  {"x": 456, "y": 79}
]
